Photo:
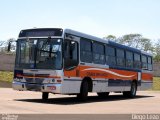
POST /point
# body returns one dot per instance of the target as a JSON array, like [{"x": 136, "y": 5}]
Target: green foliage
[
  {"x": 110, "y": 37},
  {"x": 156, "y": 83},
  {"x": 129, "y": 39},
  {"x": 4, "y": 46},
  {"x": 133, "y": 40},
  {"x": 156, "y": 58},
  {"x": 139, "y": 42},
  {"x": 6, "y": 76},
  {"x": 157, "y": 51}
]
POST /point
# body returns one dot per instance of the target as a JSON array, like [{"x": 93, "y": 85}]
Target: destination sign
[{"x": 41, "y": 32}]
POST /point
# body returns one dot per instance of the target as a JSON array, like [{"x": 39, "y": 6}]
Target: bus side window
[
  {"x": 110, "y": 56},
  {"x": 70, "y": 54},
  {"x": 129, "y": 59},
  {"x": 120, "y": 57},
  {"x": 137, "y": 61},
  {"x": 86, "y": 50},
  {"x": 98, "y": 53}
]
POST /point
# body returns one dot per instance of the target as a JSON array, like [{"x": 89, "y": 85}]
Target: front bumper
[{"x": 51, "y": 88}]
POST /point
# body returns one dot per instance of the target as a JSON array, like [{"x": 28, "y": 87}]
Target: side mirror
[
  {"x": 10, "y": 44},
  {"x": 9, "y": 47}
]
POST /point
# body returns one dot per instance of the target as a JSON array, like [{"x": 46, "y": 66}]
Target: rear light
[{"x": 59, "y": 81}]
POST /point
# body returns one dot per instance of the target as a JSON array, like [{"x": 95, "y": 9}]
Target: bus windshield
[{"x": 42, "y": 53}]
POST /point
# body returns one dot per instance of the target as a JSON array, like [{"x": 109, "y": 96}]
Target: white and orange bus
[{"x": 64, "y": 61}]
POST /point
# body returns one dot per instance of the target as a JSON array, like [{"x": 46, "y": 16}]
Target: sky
[{"x": 95, "y": 17}]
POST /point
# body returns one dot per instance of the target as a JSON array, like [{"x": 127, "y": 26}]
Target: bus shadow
[{"x": 74, "y": 100}]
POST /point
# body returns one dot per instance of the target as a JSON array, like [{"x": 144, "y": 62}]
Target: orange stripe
[
  {"x": 79, "y": 72},
  {"x": 147, "y": 76},
  {"x": 18, "y": 75}
]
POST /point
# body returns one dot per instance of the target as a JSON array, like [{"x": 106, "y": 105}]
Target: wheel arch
[
  {"x": 90, "y": 83},
  {"x": 135, "y": 81}
]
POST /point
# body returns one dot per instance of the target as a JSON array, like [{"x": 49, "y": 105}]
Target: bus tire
[
  {"x": 132, "y": 92},
  {"x": 45, "y": 95},
  {"x": 103, "y": 94},
  {"x": 83, "y": 91}
]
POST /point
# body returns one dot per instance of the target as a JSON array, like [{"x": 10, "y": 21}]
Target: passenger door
[{"x": 71, "y": 58}]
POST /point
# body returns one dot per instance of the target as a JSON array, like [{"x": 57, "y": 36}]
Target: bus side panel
[
  {"x": 104, "y": 79},
  {"x": 72, "y": 81},
  {"x": 147, "y": 81},
  {"x": 71, "y": 86},
  {"x": 108, "y": 80},
  {"x": 106, "y": 73}
]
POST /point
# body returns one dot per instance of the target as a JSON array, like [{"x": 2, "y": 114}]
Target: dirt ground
[
  {"x": 4, "y": 84},
  {"x": 26, "y": 102}
]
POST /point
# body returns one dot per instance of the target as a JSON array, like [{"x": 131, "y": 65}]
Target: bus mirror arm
[{"x": 9, "y": 45}]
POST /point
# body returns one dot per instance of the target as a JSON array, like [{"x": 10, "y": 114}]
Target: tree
[
  {"x": 137, "y": 41},
  {"x": 129, "y": 39},
  {"x": 110, "y": 37},
  {"x": 133, "y": 40},
  {"x": 4, "y": 45},
  {"x": 157, "y": 51}
]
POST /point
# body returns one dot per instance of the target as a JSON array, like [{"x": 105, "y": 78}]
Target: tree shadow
[{"x": 73, "y": 100}]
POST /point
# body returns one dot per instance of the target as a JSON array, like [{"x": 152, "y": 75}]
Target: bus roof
[
  {"x": 79, "y": 34},
  {"x": 59, "y": 32},
  {"x": 117, "y": 45},
  {"x": 112, "y": 43}
]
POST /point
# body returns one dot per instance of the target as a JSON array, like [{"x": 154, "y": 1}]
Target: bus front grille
[{"x": 35, "y": 80}]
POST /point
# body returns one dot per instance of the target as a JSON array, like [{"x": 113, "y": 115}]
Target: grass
[
  {"x": 8, "y": 77},
  {"x": 156, "y": 83}
]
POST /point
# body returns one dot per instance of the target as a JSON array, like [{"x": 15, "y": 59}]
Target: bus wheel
[
  {"x": 132, "y": 92},
  {"x": 83, "y": 92},
  {"x": 45, "y": 95},
  {"x": 103, "y": 94}
]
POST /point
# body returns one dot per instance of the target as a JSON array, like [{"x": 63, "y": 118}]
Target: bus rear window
[
  {"x": 144, "y": 62},
  {"x": 150, "y": 67}
]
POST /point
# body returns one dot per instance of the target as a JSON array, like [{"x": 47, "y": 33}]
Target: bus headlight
[{"x": 19, "y": 80}]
